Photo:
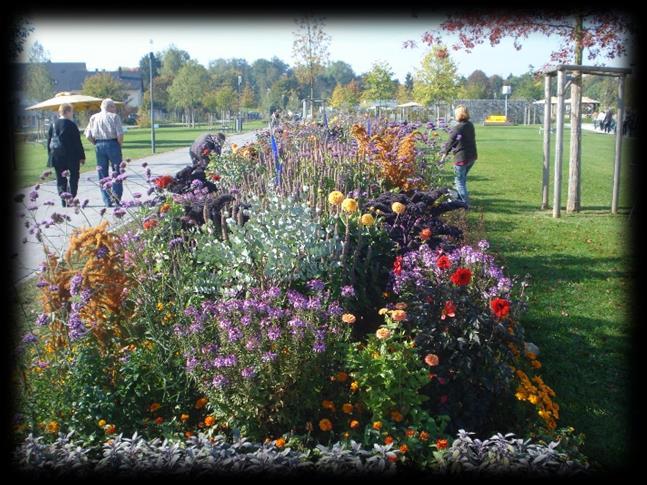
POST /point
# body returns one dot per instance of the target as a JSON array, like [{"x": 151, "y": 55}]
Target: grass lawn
[
  {"x": 31, "y": 158},
  {"x": 580, "y": 274}
]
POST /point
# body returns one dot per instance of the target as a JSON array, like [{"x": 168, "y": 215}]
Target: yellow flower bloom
[
  {"x": 533, "y": 399},
  {"x": 160, "y": 306},
  {"x": 398, "y": 208},
  {"x": 367, "y": 220},
  {"x": 101, "y": 423},
  {"x": 335, "y": 197},
  {"x": 383, "y": 311},
  {"x": 354, "y": 386},
  {"x": 349, "y": 205}
]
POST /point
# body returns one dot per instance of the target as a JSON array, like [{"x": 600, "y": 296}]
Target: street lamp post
[{"x": 152, "y": 108}]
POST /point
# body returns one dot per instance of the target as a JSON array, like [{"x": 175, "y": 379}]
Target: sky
[{"x": 108, "y": 43}]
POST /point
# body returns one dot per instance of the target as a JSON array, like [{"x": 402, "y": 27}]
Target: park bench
[{"x": 496, "y": 120}]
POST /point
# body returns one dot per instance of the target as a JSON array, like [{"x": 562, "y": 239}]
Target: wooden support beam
[
  {"x": 559, "y": 145},
  {"x": 618, "y": 153},
  {"x": 546, "y": 168}
]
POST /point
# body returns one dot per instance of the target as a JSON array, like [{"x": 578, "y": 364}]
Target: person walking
[
  {"x": 65, "y": 152},
  {"x": 600, "y": 120},
  {"x": 462, "y": 143},
  {"x": 606, "y": 124},
  {"x": 204, "y": 146},
  {"x": 106, "y": 133}
]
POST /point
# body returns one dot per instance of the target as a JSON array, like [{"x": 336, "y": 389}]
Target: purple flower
[
  {"x": 101, "y": 252},
  {"x": 76, "y": 327},
  {"x": 45, "y": 174},
  {"x": 29, "y": 338},
  {"x": 42, "y": 284},
  {"x": 252, "y": 343},
  {"x": 484, "y": 245},
  {"x": 75, "y": 284},
  {"x": 273, "y": 333},
  {"x": 42, "y": 320},
  {"x": 235, "y": 334},
  {"x": 191, "y": 363},
  {"x": 316, "y": 285},
  {"x": 248, "y": 372},
  {"x": 119, "y": 213},
  {"x": 102, "y": 211},
  {"x": 220, "y": 381},
  {"x": 175, "y": 242},
  {"x": 319, "y": 346},
  {"x": 33, "y": 195},
  {"x": 347, "y": 291},
  {"x": 268, "y": 357}
]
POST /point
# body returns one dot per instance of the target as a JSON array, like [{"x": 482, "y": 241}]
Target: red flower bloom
[
  {"x": 163, "y": 181},
  {"x": 461, "y": 277},
  {"x": 425, "y": 234},
  {"x": 449, "y": 310},
  {"x": 215, "y": 177},
  {"x": 443, "y": 262},
  {"x": 441, "y": 444},
  {"x": 150, "y": 224},
  {"x": 397, "y": 265},
  {"x": 500, "y": 307}
]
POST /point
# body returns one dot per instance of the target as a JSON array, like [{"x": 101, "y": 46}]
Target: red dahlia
[
  {"x": 443, "y": 262},
  {"x": 461, "y": 277},
  {"x": 500, "y": 307},
  {"x": 163, "y": 181},
  {"x": 397, "y": 265}
]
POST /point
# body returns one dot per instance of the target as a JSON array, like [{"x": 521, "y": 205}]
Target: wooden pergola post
[
  {"x": 618, "y": 154},
  {"x": 546, "y": 168},
  {"x": 559, "y": 144}
]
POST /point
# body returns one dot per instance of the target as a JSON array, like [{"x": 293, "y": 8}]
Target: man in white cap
[{"x": 105, "y": 132}]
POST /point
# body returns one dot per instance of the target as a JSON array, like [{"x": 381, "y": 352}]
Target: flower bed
[{"x": 305, "y": 292}]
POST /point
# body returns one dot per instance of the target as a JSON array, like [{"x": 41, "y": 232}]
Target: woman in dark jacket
[
  {"x": 66, "y": 160},
  {"x": 462, "y": 143}
]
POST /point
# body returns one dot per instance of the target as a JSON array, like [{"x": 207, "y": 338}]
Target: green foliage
[
  {"x": 379, "y": 83},
  {"x": 281, "y": 243},
  {"x": 437, "y": 79},
  {"x": 104, "y": 85}
]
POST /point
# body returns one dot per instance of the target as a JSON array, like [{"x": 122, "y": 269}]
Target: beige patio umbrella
[{"x": 79, "y": 101}]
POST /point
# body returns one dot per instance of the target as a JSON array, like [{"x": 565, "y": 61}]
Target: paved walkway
[{"x": 27, "y": 257}]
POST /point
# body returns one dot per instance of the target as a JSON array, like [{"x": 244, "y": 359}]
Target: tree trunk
[{"x": 573, "y": 203}]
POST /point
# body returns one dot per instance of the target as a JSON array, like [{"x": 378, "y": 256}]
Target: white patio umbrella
[{"x": 79, "y": 101}]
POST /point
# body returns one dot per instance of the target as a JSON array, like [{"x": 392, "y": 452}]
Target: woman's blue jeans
[
  {"x": 460, "y": 179},
  {"x": 109, "y": 152}
]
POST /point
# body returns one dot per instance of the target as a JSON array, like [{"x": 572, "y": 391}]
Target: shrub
[
  {"x": 461, "y": 308},
  {"x": 263, "y": 361}
]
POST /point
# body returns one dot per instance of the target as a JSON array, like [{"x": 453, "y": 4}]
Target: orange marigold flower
[
  {"x": 401, "y": 306},
  {"x": 53, "y": 427},
  {"x": 377, "y": 425},
  {"x": 425, "y": 234},
  {"x": 341, "y": 376},
  {"x": 346, "y": 435},
  {"x": 354, "y": 424},
  {"x": 200, "y": 403},
  {"x": 325, "y": 425},
  {"x": 347, "y": 408},
  {"x": 410, "y": 432},
  {"x": 209, "y": 421},
  {"x": 404, "y": 448},
  {"x": 441, "y": 444},
  {"x": 165, "y": 207},
  {"x": 396, "y": 416},
  {"x": 388, "y": 440},
  {"x": 188, "y": 434},
  {"x": 101, "y": 423},
  {"x": 535, "y": 364},
  {"x": 326, "y": 404},
  {"x": 424, "y": 436},
  {"x": 150, "y": 224},
  {"x": 431, "y": 360},
  {"x": 348, "y": 318},
  {"x": 280, "y": 443},
  {"x": 154, "y": 407},
  {"x": 354, "y": 386},
  {"x": 184, "y": 418}
]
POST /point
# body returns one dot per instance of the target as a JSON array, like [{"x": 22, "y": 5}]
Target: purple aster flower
[
  {"x": 252, "y": 343},
  {"x": 316, "y": 285},
  {"x": 268, "y": 357},
  {"x": 49, "y": 203},
  {"x": 102, "y": 211},
  {"x": 33, "y": 195},
  {"x": 245, "y": 320},
  {"x": 42, "y": 320},
  {"x": 248, "y": 372},
  {"x": 319, "y": 346},
  {"x": 29, "y": 338},
  {"x": 42, "y": 284},
  {"x": 173, "y": 243},
  {"x": 347, "y": 291},
  {"x": 220, "y": 381},
  {"x": 235, "y": 334},
  {"x": 119, "y": 213},
  {"x": 85, "y": 203},
  {"x": 191, "y": 363},
  {"x": 484, "y": 245},
  {"x": 273, "y": 333},
  {"x": 77, "y": 329}
]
